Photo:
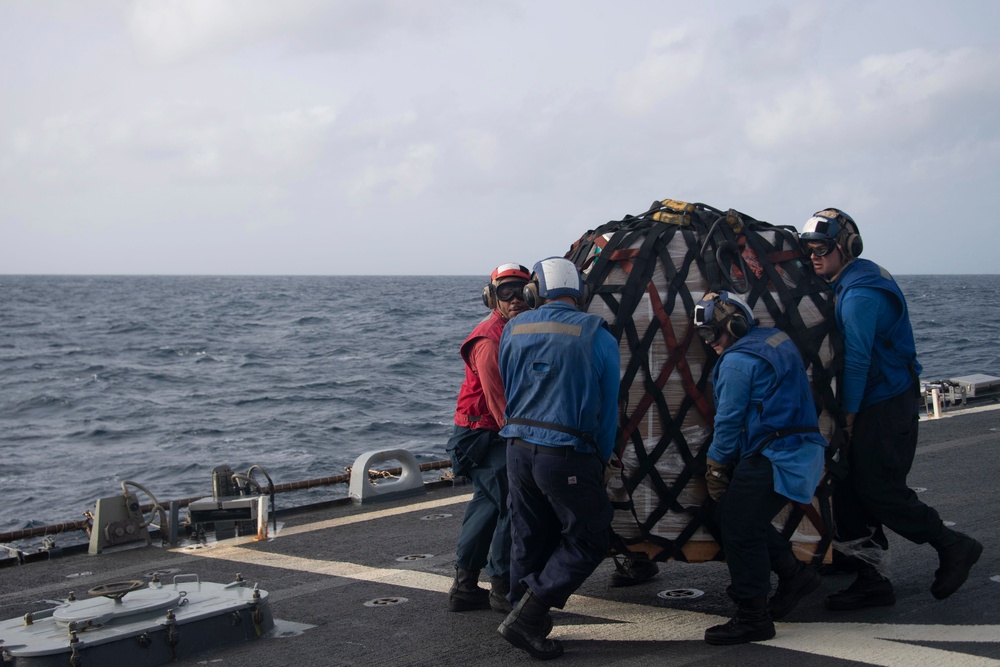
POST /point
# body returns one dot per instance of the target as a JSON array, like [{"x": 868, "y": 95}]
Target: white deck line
[
  {"x": 367, "y": 516},
  {"x": 958, "y": 411},
  {"x": 873, "y": 644}
]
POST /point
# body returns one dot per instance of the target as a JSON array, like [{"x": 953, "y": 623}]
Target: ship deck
[{"x": 367, "y": 585}]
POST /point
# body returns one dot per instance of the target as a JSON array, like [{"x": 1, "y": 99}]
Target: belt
[{"x": 565, "y": 451}]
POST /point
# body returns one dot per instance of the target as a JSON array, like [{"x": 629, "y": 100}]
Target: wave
[
  {"x": 306, "y": 321},
  {"x": 160, "y": 379},
  {"x": 41, "y": 403},
  {"x": 128, "y": 328}
]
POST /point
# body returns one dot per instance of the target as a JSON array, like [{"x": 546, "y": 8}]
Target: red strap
[{"x": 676, "y": 358}]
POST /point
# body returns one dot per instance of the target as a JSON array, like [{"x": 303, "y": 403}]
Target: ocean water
[
  {"x": 158, "y": 380},
  {"x": 956, "y": 323}
]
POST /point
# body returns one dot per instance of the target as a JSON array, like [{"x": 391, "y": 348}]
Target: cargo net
[{"x": 645, "y": 274}]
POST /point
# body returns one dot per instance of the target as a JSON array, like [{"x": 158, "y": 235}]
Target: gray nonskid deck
[{"x": 372, "y": 582}]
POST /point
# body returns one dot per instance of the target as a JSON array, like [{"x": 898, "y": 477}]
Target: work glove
[
  {"x": 609, "y": 467},
  {"x": 717, "y": 476},
  {"x": 837, "y": 468},
  {"x": 837, "y": 463}
]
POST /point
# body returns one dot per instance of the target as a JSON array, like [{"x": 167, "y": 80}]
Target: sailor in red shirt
[{"x": 478, "y": 452}]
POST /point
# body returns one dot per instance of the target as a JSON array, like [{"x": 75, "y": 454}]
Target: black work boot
[
  {"x": 838, "y": 565},
  {"x": 465, "y": 593},
  {"x": 526, "y": 628},
  {"x": 752, "y": 623},
  {"x": 499, "y": 588},
  {"x": 957, "y": 553},
  {"x": 794, "y": 583},
  {"x": 631, "y": 571},
  {"x": 547, "y": 624},
  {"x": 870, "y": 589}
]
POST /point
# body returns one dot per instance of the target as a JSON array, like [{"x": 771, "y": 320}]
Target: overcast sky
[{"x": 447, "y": 136}]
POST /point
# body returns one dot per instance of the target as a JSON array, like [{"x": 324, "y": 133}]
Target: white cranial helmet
[{"x": 557, "y": 276}]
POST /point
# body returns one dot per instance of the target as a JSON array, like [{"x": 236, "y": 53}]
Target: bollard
[{"x": 410, "y": 482}]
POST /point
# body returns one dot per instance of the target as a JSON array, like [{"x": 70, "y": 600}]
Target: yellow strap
[{"x": 676, "y": 213}]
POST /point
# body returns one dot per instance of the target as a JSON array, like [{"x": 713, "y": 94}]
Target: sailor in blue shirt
[
  {"x": 561, "y": 372},
  {"x": 766, "y": 450},
  {"x": 880, "y": 401}
]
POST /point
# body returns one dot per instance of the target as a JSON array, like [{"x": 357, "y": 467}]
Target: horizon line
[{"x": 324, "y": 275}]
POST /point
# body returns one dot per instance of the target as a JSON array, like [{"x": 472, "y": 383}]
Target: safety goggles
[
  {"x": 704, "y": 321},
  {"x": 824, "y": 248},
  {"x": 709, "y": 332},
  {"x": 510, "y": 289}
]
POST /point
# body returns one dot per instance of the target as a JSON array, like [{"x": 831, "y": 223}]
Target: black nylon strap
[
  {"x": 783, "y": 433},
  {"x": 779, "y": 280},
  {"x": 586, "y": 437}
]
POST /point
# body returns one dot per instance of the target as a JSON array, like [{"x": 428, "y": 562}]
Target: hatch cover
[{"x": 98, "y": 611}]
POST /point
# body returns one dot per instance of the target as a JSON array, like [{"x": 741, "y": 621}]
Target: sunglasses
[
  {"x": 808, "y": 249},
  {"x": 508, "y": 290}
]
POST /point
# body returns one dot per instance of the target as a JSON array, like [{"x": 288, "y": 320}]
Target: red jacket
[{"x": 482, "y": 385}]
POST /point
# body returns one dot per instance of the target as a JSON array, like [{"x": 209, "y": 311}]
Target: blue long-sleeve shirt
[
  {"x": 880, "y": 355},
  {"x": 740, "y": 378},
  {"x": 865, "y": 310},
  {"x": 753, "y": 403}
]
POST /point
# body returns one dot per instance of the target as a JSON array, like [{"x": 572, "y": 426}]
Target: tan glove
[
  {"x": 613, "y": 463},
  {"x": 717, "y": 477}
]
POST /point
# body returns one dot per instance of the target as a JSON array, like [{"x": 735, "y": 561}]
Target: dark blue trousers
[
  {"x": 753, "y": 547},
  {"x": 560, "y": 520},
  {"x": 484, "y": 539},
  {"x": 875, "y": 492}
]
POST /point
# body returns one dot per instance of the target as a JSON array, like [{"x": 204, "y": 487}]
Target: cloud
[
  {"x": 168, "y": 31},
  {"x": 545, "y": 119},
  {"x": 380, "y": 129},
  {"x": 674, "y": 62},
  {"x": 174, "y": 141},
  {"x": 173, "y": 31},
  {"x": 481, "y": 147},
  {"x": 63, "y": 137},
  {"x": 290, "y": 137},
  {"x": 881, "y": 99},
  {"x": 402, "y": 178},
  {"x": 702, "y": 59}
]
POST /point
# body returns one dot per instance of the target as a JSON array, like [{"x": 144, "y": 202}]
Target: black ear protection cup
[
  {"x": 852, "y": 241},
  {"x": 490, "y": 296},
  {"x": 737, "y": 326},
  {"x": 735, "y": 319},
  {"x": 851, "y": 244},
  {"x": 585, "y": 297},
  {"x": 854, "y": 245},
  {"x": 531, "y": 298},
  {"x": 848, "y": 239}
]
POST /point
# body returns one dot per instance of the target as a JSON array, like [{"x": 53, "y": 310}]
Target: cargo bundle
[{"x": 645, "y": 274}]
